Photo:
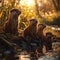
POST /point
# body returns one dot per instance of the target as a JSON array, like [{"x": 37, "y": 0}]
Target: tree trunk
[
  {"x": 56, "y": 4},
  {"x": 37, "y": 11}
]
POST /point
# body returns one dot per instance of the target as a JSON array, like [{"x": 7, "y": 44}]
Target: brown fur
[
  {"x": 31, "y": 29},
  {"x": 1, "y": 29},
  {"x": 40, "y": 31},
  {"x": 11, "y": 26}
]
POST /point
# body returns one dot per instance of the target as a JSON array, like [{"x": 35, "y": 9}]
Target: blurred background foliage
[{"x": 45, "y": 11}]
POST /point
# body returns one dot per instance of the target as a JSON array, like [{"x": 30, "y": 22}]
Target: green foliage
[
  {"x": 56, "y": 21},
  {"x": 22, "y": 25}
]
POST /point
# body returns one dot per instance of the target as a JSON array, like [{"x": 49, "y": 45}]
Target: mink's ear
[
  {"x": 33, "y": 20},
  {"x": 16, "y": 10},
  {"x": 43, "y": 25}
]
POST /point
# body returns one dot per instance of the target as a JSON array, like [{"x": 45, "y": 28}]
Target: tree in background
[
  {"x": 56, "y": 4},
  {"x": 42, "y": 10}
]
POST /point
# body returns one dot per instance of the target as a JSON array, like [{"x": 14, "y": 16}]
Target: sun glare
[
  {"x": 30, "y": 2},
  {"x": 27, "y": 2}
]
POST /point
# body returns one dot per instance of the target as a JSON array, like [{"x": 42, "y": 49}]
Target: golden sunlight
[
  {"x": 27, "y": 2},
  {"x": 30, "y": 2}
]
